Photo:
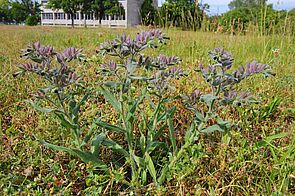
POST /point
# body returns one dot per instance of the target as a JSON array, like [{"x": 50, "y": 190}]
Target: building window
[
  {"x": 59, "y": 16},
  {"x": 89, "y": 16},
  {"x": 47, "y": 16}
]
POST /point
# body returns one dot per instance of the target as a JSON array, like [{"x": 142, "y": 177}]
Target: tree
[
  {"x": 187, "y": 14},
  {"x": 21, "y": 10},
  {"x": 109, "y": 7},
  {"x": 70, "y": 7},
  {"x": 147, "y": 12},
  {"x": 5, "y": 14},
  {"x": 86, "y": 8},
  {"x": 246, "y": 3},
  {"x": 99, "y": 7}
]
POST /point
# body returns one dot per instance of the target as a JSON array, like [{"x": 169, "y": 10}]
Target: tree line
[
  {"x": 185, "y": 14},
  {"x": 29, "y": 11},
  {"x": 19, "y": 11},
  {"x": 242, "y": 14}
]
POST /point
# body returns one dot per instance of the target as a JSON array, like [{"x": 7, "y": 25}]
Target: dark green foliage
[
  {"x": 32, "y": 20},
  {"x": 69, "y": 6},
  {"x": 19, "y": 11},
  {"x": 246, "y": 3},
  {"x": 182, "y": 13},
  {"x": 265, "y": 18},
  {"x": 109, "y": 7},
  {"x": 148, "y": 12}
]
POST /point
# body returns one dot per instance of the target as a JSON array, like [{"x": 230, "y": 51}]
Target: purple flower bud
[
  {"x": 195, "y": 96},
  {"x": 233, "y": 96},
  {"x": 40, "y": 95},
  {"x": 174, "y": 72},
  {"x": 111, "y": 66},
  {"x": 71, "y": 53},
  {"x": 162, "y": 62},
  {"x": 72, "y": 77},
  {"x": 36, "y": 45},
  {"x": 60, "y": 58}
]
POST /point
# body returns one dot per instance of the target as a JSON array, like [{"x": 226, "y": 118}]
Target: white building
[{"x": 130, "y": 18}]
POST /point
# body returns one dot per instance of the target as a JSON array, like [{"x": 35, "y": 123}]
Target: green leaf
[
  {"x": 151, "y": 167},
  {"x": 153, "y": 145},
  {"x": 212, "y": 129},
  {"x": 77, "y": 107},
  {"x": 84, "y": 156},
  {"x": 164, "y": 173},
  {"x": 191, "y": 133},
  {"x": 39, "y": 108},
  {"x": 96, "y": 142},
  {"x": 134, "y": 105},
  {"x": 169, "y": 112},
  {"x": 139, "y": 78},
  {"x": 131, "y": 67},
  {"x": 208, "y": 99},
  {"x": 111, "y": 99},
  {"x": 116, "y": 147},
  {"x": 110, "y": 127},
  {"x": 172, "y": 134},
  {"x": 139, "y": 161},
  {"x": 160, "y": 131},
  {"x": 270, "y": 138},
  {"x": 224, "y": 124},
  {"x": 64, "y": 121},
  {"x": 142, "y": 142},
  {"x": 199, "y": 116},
  {"x": 112, "y": 84}
]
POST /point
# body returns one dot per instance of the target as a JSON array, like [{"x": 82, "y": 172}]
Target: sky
[{"x": 220, "y": 6}]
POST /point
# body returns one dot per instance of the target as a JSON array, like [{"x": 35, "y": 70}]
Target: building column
[
  {"x": 66, "y": 19},
  {"x": 41, "y": 18},
  {"x": 53, "y": 17}
]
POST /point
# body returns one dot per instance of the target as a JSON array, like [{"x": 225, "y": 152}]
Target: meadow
[{"x": 255, "y": 157}]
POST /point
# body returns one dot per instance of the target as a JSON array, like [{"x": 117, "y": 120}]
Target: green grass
[{"x": 257, "y": 158}]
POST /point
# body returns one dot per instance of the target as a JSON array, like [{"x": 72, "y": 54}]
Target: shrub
[
  {"x": 32, "y": 20},
  {"x": 148, "y": 12}
]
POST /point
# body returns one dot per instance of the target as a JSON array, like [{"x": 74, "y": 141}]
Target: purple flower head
[
  {"x": 162, "y": 62},
  {"x": 71, "y": 53},
  {"x": 36, "y": 45},
  {"x": 235, "y": 97},
  {"x": 123, "y": 45},
  {"x": 29, "y": 67},
  {"x": 251, "y": 69},
  {"x": 222, "y": 57},
  {"x": 211, "y": 69},
  {"x": 142, "y": 38},
  {"x": 239, "y": 74},
  {"x": 72, "y": 78},
  {"x": 195, "y": 96},
  {"x": 60, "y": 58},
  {"x": 255, "y": 68},
  {"x": 230, "y": 96},
  {"x": 159, "y": 85},
  {"x": 174, "y": 73},
  {"x": 111, "y": 66},
  {"x": 37, "y": 52}
]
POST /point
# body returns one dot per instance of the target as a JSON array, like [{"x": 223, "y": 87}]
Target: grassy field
[{"x": 258, "y": 158}]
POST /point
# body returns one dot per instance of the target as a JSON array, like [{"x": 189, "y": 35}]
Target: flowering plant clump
[
  {"x": 131, "y": 70},
  {"x": 223, "y": 90},
  {"x": 64, "y": 94},
  {"x": 137, "y": 87}
]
